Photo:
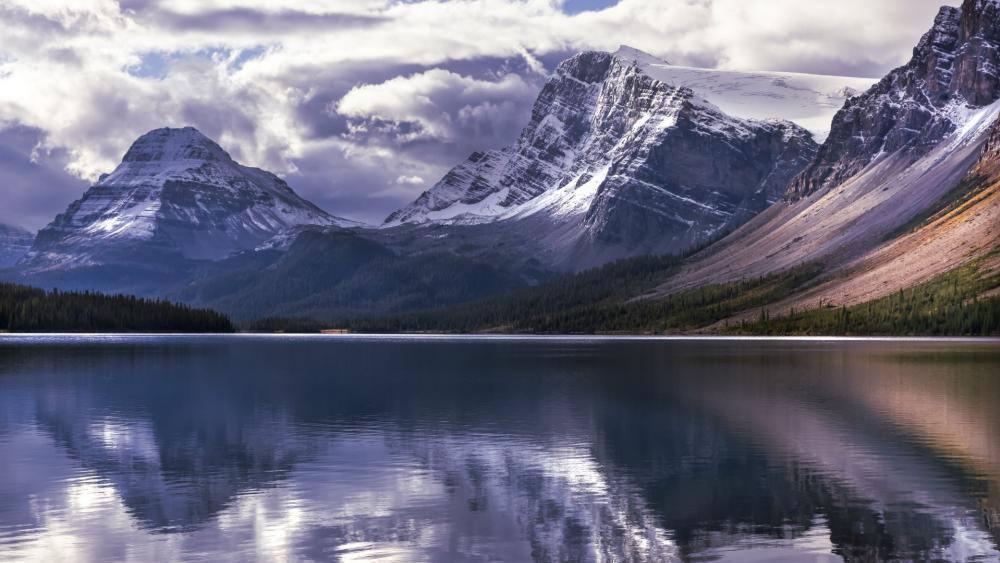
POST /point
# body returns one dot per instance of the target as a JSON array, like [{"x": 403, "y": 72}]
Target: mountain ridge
[{"x": 176, "y": 194}]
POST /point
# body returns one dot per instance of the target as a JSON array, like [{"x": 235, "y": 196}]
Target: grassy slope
[{"x": 949, "y": 304}]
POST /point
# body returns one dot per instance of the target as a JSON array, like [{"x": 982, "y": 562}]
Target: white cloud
[
  {"x": 409, "y": 180},
  {"x": 438, "y": 103}
]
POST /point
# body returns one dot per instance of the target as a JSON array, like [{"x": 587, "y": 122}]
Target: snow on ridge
[
  {"x": 809, "y": 100},
  {"x": 571, "y": 199},
  {"x": 638, "y": 56}
]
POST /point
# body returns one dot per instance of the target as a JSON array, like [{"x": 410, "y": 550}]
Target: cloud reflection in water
[{"x": 288, "y": 449}]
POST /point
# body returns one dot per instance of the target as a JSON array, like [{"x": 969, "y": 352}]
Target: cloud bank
[{"x": 361, "y": 104}]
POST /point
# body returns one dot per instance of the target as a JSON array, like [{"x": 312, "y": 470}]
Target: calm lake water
[{"x": 438, "y": 449}]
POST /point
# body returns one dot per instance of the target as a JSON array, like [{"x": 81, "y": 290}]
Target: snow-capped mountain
[
  {"x": 178, "y": 194},
  {"x": 893, "y": 197},
  {"x": 615, "y": 161},
  {"x": 14, "y": 243}
]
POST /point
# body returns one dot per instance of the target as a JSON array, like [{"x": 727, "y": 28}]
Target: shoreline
[{"x": 10, "y": 336}]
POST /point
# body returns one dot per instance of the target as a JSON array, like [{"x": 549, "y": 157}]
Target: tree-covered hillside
[
  {"x": 952, "y": 304},
  {"x": 28, "y": 309},
  {"x": 324, "y": 275}
]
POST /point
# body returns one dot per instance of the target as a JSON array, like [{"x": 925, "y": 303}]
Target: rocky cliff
[{"x": 953, "y": 71}]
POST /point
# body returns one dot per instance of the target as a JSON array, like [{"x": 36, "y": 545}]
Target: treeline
[
  {"x": 601, "y": 301},
  {"x": 948, "y": 305},
  {"x": 28, "y": 309}
]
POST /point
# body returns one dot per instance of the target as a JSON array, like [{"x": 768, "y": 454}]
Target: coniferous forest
[
  {"x": 28, "y": 309},
  {"x": 952, "y": 304}
]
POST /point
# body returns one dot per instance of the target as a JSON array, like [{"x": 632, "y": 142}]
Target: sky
[{"x": 362, "y": 104}]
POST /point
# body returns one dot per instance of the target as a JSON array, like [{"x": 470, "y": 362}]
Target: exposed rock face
[
  {"x": 14, "y": 243},
  {"x": 953, "y": 69},
  {"x": 615, "y": 157},
  {"x": 692, "y": 182},
  {"x": 176, "y": 194}
]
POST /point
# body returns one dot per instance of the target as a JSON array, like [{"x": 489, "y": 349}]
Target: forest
[{"x": 28, "y": 309}]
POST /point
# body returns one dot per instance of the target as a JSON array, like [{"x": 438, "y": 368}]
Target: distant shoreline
[{"x": 486, "y": 337}]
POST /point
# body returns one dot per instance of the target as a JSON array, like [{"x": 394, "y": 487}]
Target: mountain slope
[
  {"x": 615, "y": 162},
  {"x": 964, "y": 229},
  {"x": 894, "y": 153},
  {"x": 332, "y": 273},
  {"x": 14, "y": 244},
  {"x": 175, "y": 195}
]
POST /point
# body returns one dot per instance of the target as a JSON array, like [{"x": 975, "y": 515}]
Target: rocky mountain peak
[
  {"x": 954, "y": 69},
  {"x": 176, "y": 195},
  {"x": 960, "y": 54},
  {"x": 175, "y": 144},
  {"x": 591, "y": 101},
  {"x": 616, "y": 161},
  {"x": 590, "y": 67}
]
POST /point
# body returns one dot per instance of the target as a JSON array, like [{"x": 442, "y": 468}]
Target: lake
[{"x": 347, "y": 448}]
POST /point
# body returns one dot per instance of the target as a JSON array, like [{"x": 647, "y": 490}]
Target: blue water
[{"x": 275, "y": 448}]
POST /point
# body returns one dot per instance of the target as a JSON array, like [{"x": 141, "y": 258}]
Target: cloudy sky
[{"x": 362, "y": 104}]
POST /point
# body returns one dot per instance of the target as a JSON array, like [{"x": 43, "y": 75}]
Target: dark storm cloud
[{"x": 346, "y": 186}]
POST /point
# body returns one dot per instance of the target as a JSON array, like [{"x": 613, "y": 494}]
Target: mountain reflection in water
[{"x": 342, "y": 448}]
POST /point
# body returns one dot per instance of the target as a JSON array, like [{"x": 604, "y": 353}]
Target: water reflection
[{"x": 236, "y": 448}]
